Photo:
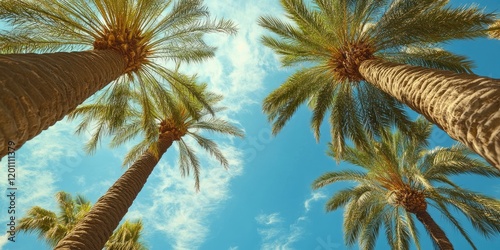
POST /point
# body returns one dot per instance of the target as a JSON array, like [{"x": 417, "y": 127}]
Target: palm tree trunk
[
  {"x": 37, "y": 90},
  {"x": 465, "y": 106},
  {"x": 434, "y": 230},
  {"x": 98, "y": 225}
]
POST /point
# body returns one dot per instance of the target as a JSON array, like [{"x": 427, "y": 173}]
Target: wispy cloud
[
  {"x": 268, "y": 219},
  {"x": 274, "y": 232},
  {"x": 315, "y": 196}
]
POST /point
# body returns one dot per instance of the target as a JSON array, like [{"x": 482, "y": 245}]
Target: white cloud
[
  {"x": 275, "y": 235},
  {"x": 268, "y": 219},
  {"x": 315, "y": 196}
]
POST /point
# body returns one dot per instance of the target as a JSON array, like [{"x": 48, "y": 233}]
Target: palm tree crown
[
  {"x": 137, "y": 37},
  {"x": 185, "y": 117},
  {"x": 399, "y": 181},
  {"x": 330, "y": 39},
  {"x": 52, "y": 227}
]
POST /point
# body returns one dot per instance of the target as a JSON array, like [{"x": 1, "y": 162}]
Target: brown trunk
[
  {"x": 434, "y": 230},
  {"x": 465, "y": 106},
  {"x": 37, "y": 90},
  {"x": 98, "y": 225}
]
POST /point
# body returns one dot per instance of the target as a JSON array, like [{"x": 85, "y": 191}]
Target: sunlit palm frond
[{"x": 127, "y": 236}]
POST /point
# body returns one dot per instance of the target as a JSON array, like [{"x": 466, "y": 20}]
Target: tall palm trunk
[
  {"x": 434, "y": 230},
  {"x": 465, "y": 106},
  {"x": 37, "y": 90},
  {"x": 98, "y": 225}
]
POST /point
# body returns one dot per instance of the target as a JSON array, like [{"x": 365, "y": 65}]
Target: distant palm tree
[
  {"x": 160, "y": 126},
  {"x": 52, "y": 227},
  {"x": 354, "y": 57},
  {"x": 128, "y": 38},
  {"x": 399, "y": 181}
]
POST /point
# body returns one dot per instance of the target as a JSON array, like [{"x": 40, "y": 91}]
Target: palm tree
[
  {"x": 52, "y": 227},
  {"x": 399, "y": 181},
  {"x": 160, "y": 126},
  {"x": 129, "y": 40},
  {"x": 356, "y": 56}
]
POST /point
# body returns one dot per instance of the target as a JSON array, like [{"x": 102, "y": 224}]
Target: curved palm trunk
[
  {"x": 98, "y": 225},
  {"x": 37, "y": 90},
  {"x": 465, "y": 106},
  {"x": 434, "y": 230}
]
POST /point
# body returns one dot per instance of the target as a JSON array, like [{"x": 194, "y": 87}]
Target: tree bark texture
[
  {"x": 465, "y": 106},
  {"x": 434, "y": 230},
  {"x": 98, "y": 225},
  {"x": 37, "y": 90}
]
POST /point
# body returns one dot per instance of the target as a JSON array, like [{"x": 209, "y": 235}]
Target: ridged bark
[
  {"x": 465, "y": 106},
  {"x": 434, "y": 230},
  {"x": 37, "y": 90},
  {"x": 98, "y": 225}
]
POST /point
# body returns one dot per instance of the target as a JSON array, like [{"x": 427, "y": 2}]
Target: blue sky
[{"x": 264, "y": 201}]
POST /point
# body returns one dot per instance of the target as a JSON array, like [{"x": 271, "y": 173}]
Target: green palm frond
[
  {"x": 412, "y": 228},
  {"x": 444, "y": 210},
  {"x": 395, "y": 162},
  {"x": 428, "y": 21},
  {"x": 432, "y": 58},
  {"x": 127, "y": 236},
  {"x": 482, "y": 211},
  {"x": 333, "y": 177},
  {"x": 454, "y": 161},
  {"x": 37, "y": 220},
  {"x": 188, "y": 161}
]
